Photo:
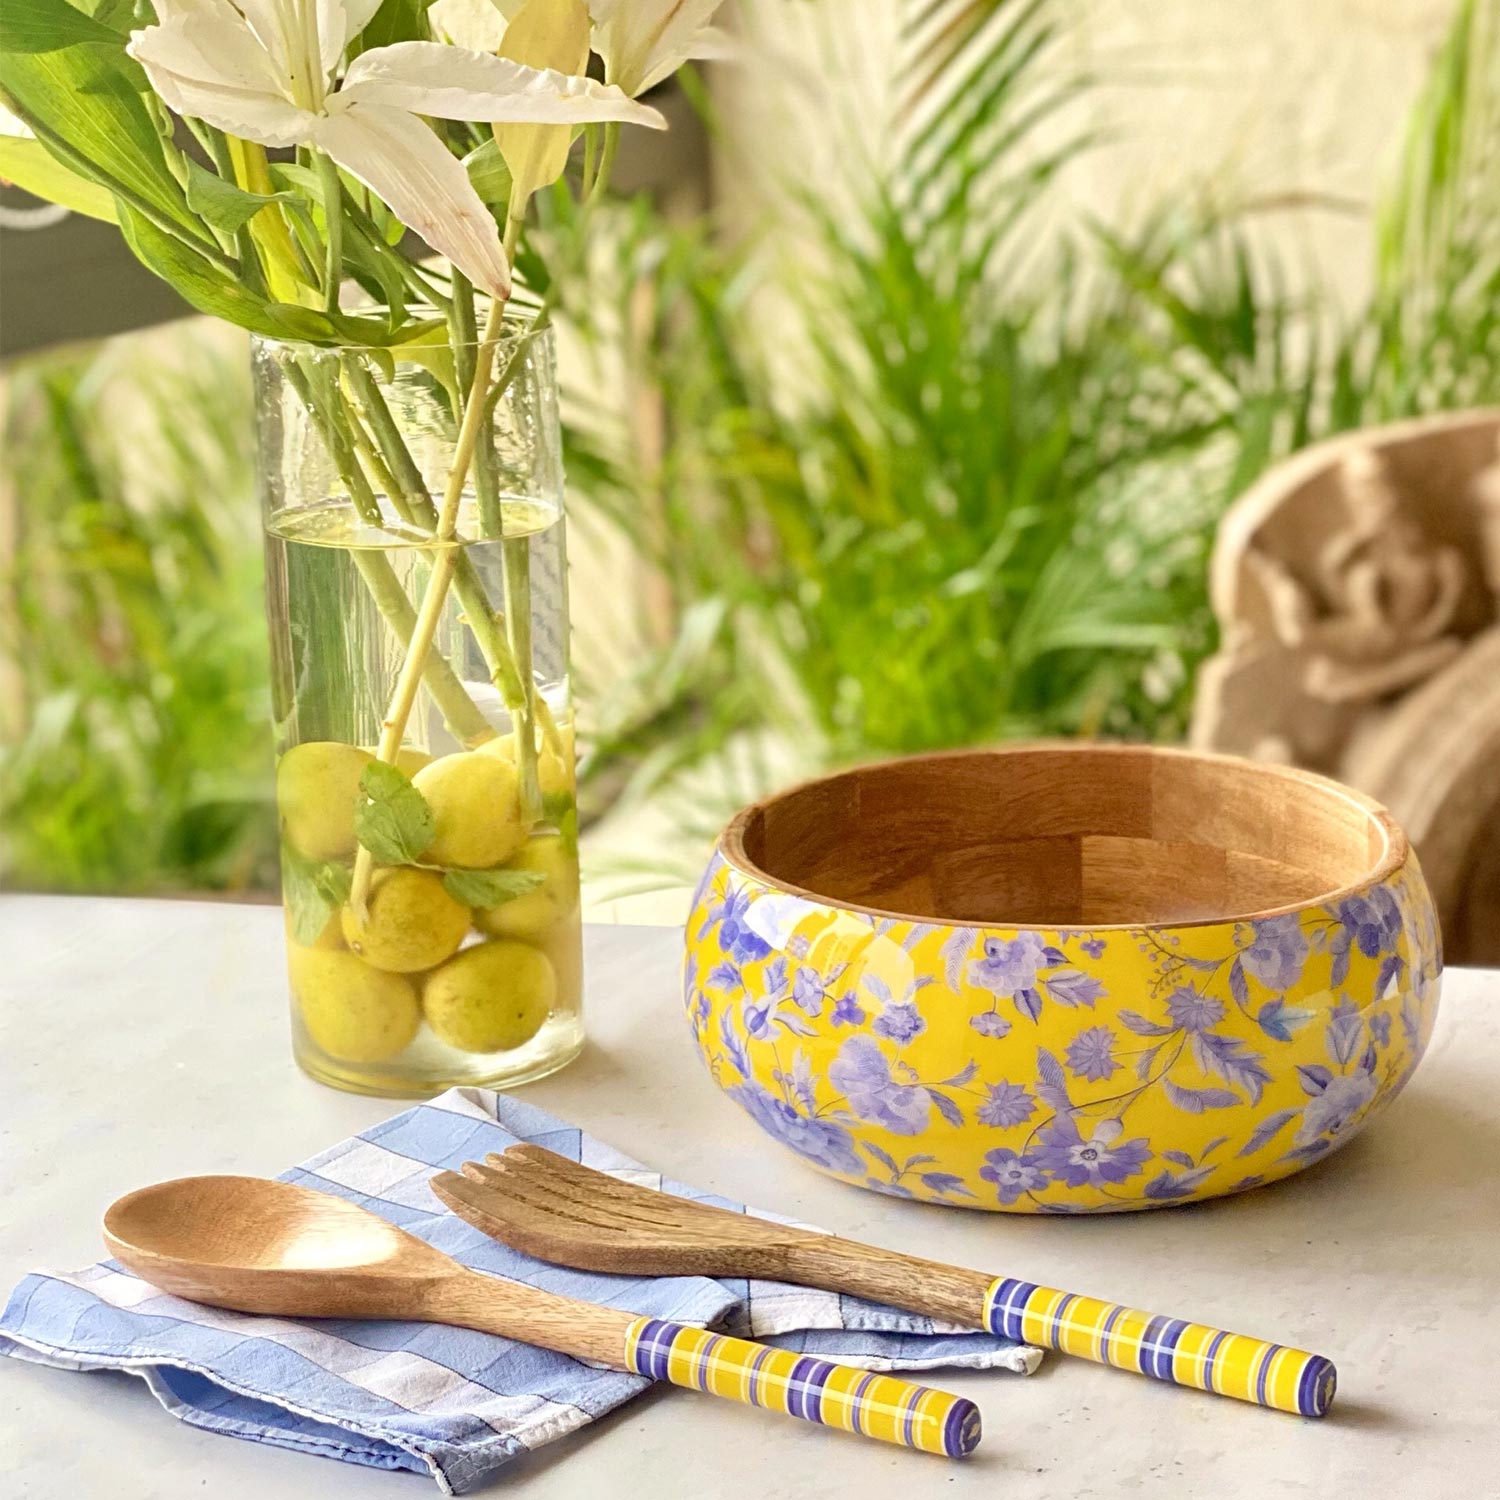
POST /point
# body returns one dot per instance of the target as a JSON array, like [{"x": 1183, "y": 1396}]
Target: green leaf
[
  {"x": 393, "y": 821},
  {"x": 488, "y": 173},
  {"x": 490, "y": 888},
  {"x": 311, "y": 892},
  {"x": 221, "y": 204},
  {"x": 31, "y": 166},
  {"x": 395, "y": 21},
  {"x": 218, "y": 293},
  {"x": 48, "y": 26},
  {"x": 88, "y": 100}
]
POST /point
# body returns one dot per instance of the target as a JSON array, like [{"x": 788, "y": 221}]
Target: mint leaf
[
  {"x": 392, "y": 820},
  {"x": 487, "y": 888},
  {"x": 560, "y": 811},
  {"x": 312, "y": 893}
]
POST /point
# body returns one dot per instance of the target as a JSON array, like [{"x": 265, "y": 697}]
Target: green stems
[
  {"x": 465, "y": 722},
  {"x": 433, "y": 600},
  {"x": 333, "y": 229}
]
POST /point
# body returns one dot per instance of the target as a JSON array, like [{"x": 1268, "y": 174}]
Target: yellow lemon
[
  {"x": 530, "y": 915},
  {"x": 412, "y": 923},
  {"x": 491, "y": 997},
  {"x": 554, "y": 769},
  {"x": 350, "y": 1010},
  {"x": 474, "y": 807},
  {"x": 410, "y": 760},
  {"x": 317, "y": 785},
  {"x": 330, "y": 940}
]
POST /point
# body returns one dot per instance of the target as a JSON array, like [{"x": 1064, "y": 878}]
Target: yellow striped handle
[
  {"x": 1229, "y": 1364},
  {"x": 876, "y": 1406}
]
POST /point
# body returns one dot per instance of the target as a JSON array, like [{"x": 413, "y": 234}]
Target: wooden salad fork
[
  {"x": 555, "y": 1209},
  {"x": 272, "y": 1247}
]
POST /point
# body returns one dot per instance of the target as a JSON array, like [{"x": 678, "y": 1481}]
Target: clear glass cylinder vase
[{"x": 424, "y": 728}]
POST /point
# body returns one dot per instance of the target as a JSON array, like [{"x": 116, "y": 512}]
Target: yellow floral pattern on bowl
[{"x": 1060, "y": 1070}]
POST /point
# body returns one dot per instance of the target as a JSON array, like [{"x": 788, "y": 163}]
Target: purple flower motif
[
  {"x": 1193, "y": 1011},
  {"x": 1373, "y": 922},
  {"x": 847, "y": 1011},
  {"x": 862, "y": 1075},
  {"x": 822, "y": 1141},
  {"x": 1008, "y": 1104},
  {"x": 1380, "y": 1028},
  {"x": 1011, "y": 1174},
  {"x": 900, "y": 1022},
  {"x": 759, "y": 1020},
  {"x": 1091, "y": 1054},
  {"x": 735, "y": 936},
  {"x": 808, "y": 992},
  {"x": 990, "y": 1023},
  {"x": 702, "y": 1006},
  {"x": 1067, "y": 1157},
  {"x": 1332, "y": 1111},
  {"x": 1009, "y": 964},
  {"x": 1277, "y": 952},
  {"x": 1094, "y": 947}
]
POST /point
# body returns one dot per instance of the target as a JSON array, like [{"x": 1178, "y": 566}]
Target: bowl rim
[{"x": 1397, "y": 852}]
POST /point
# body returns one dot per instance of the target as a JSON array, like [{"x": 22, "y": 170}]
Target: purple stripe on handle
[
  {"x": 756, "y": 1365},
  {"x": 1008, "y": 1308},
  {"x": 1146, "y": 1354},
  {"x": 856, "y": 1401},
  {"x": 805, "y": 1392},
  {"x": 705, "y": 1359},
  {"x": 1265, "y": 1369},
  {"x": 1208, "y": 1361},
  {"x": 961, "y": 1430},
  {"x": 1055, "y": 1332},
  {"x": 653, "y": 1348},
  {"x": 1161, "y": 1361}
]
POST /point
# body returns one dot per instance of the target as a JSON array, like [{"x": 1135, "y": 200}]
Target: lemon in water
[
  {"x": 412, "y": 922},
  {"x": 491, "y": 997},
  {"x": 350, "y": 1010},
  {"x": 554, "y": 768},
  {"x": 475, "y": 808},
  {"x": 530, "y": 915},
  {"x": 317, "y": 786}
]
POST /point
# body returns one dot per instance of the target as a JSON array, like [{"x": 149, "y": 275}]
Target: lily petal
[
  {"x": 479, "y": 24},
  {"x": 205, "y": 61},
  {"x": 642, "y": 41},
  {"x": 398, "y": 157},
  {"x": 452, "y": 83},
  {"x": 339, "y": 22}
]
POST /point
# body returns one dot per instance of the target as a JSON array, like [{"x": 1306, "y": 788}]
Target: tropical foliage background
[{"x": 947, "y": 474}]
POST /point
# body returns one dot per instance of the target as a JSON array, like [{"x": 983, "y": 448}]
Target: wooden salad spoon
[
  {"x": 259, "y": 1246},
  {"x": 559, "y": 1210}
]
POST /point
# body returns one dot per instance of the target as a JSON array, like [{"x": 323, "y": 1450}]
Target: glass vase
[{"x": 429, "y": 857}]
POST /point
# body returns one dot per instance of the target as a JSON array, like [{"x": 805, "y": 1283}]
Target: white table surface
[{"x": 144, "y": 1040}]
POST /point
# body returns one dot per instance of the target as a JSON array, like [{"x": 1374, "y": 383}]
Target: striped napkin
[{"x": 446, "y": 1401}]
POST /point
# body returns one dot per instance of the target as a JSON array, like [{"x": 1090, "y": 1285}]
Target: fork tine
[{"x": 624, "y": 1204}]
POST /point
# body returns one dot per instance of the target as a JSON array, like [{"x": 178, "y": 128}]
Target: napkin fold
[{"x": 446, "y": 1401}]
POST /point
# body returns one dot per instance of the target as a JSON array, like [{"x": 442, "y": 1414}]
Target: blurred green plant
[
  {"x": 135, "y": 699},
  {"x": 961, "y": 500}
]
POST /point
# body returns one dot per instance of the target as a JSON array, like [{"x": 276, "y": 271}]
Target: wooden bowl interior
[{"x": 1088, "y": 836}]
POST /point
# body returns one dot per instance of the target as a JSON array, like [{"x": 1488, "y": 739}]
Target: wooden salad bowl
[{"x": 1063, "y": 978}]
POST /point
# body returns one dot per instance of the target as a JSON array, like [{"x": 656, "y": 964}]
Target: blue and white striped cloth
[{"x": 447, "y": 1401}]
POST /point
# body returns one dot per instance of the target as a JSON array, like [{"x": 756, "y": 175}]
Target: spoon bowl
[{"x": 269, "y": 1247}]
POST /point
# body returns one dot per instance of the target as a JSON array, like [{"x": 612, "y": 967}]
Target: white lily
[
  {"x": 641, "y": 41},
  {"x": 262, "y": 70},
  {"x": 644, "y": 41}
]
